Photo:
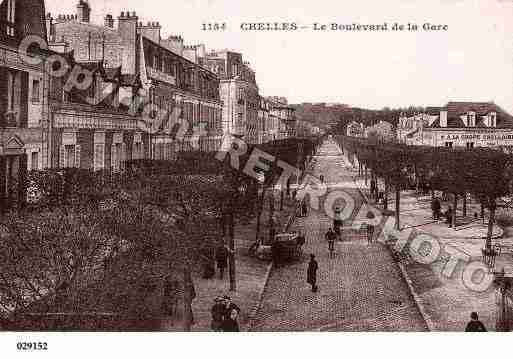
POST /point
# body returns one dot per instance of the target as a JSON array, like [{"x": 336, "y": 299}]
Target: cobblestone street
[{"x": 360, "y": 289}]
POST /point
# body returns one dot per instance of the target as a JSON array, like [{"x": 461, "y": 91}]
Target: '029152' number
[
  {"x": 32, "y": 346},
  {"x": 213, "y": 26}
]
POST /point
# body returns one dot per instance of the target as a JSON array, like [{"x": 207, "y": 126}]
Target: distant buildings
[
  {"x": 459, "y": 124},
  {"x": 355, "y": 129},
  {"x": 123, "y": 92},
  {"x": 382, "y": 131}
]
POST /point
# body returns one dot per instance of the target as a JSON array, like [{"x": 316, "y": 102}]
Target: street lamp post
[{"x": 503, "y": 284}]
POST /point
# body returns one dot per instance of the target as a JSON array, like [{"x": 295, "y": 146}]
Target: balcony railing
[{"x": 9, "y": 119}]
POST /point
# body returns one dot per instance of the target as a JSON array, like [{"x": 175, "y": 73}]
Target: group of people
[
  {"x": 225, "y": 315},
  {"x": 436, "y": 208}
]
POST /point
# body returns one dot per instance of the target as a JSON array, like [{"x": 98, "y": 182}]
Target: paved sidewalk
[
  {"x": 251, "y": 273},
  {"x": 360, "y": 289},
  {"x": 446, "y": 300}
]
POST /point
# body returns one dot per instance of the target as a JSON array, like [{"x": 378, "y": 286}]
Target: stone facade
[
  {"x": 23, "y": 108},
  {"x": 459, "y": 124},
  {"x": 239, "y": 93},
  {"x": 173, "y": 89}
]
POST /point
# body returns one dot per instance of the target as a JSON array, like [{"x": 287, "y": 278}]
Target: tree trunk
[
  {"x": 259, "y": 216},
  {"x": 490, "y": 228},
  {"x": 385, "y": 197},
  {"x": 188, "y": 296},
  {"x": 464, "y": 204},
  {"x": 397, "y": 208},
  {"x": 455, "y": 204},
  {"x": 271, "y": 215},
  {"x": 233, "y": 284}
]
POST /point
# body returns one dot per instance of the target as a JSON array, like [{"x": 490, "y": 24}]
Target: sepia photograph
[{"x": 222, "y": 166}]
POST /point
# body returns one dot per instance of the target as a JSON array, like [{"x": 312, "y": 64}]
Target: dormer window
[
  {"x": 11, "y": 16},
  {"x": 493, "y": 119},
  {"x": 471, "y": 119}
]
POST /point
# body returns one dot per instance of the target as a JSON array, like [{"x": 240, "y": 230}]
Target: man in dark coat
[
  {"x": 304, "y": 209},
  {"x": 448, "y": 216},
  {"x": 229, "y": 306},
  {"x": 435, "y": 207},
  {"x": 218, "y": 313},
  {"x": 475, "y": 325},
  {"x": 311, "y": 275},
  {"x": 230, "y": 322},
  {"x": 221, "y": 259}
]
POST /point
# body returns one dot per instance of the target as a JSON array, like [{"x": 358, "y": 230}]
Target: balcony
[
  {"x": 9, "y": 119},
  {"x": 161, "y": 76}
]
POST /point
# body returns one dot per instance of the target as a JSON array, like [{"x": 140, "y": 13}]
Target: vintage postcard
[{"x": 241, "y": 166}]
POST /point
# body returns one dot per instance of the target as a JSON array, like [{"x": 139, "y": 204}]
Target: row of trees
[
  {"x": 484, "y": 173},
  {"x": 89, "y": 227}
]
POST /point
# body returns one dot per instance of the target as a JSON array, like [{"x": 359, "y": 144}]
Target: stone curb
[
  {"x": 418, "y": 301},
  {"x": 258, "y": 305}
]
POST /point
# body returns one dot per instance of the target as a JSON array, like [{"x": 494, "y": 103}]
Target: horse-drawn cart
[{"x": 286, "y": 247}]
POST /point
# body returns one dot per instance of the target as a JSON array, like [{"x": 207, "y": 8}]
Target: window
[
  {"x": 448, "y": 144},
  {"x": 470, "y": 145},
  {"x": 34, "y": 161},
  {"x": 69, "y": 156},
  {"x": 11, "y": 16},
  {"x": 35, "y": 91}
]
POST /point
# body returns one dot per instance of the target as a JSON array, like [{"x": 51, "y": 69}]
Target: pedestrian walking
[
  {"x": 311, "y": 274},
  {"x": 229, "y": 306},
  {"x": 230, "y": 323},
  {"x": 370, "y": 227},
  {"x": 435, "y": 208},
  {"x": 373, "y": 188},
  {"x": 331, "y": 237},
  {"x": 338, "y": 223},
  {"x": 222, "y": 259},
  {"x": 475, "y": 325},
  {"x": 304, "y": 209},
  {"x": 218, "y": 314},
  {"x": 448, "y": 216}
]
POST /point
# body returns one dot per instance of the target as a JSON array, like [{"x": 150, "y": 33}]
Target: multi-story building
[
  {"x": 286, "y": 124},
  {"x": 355, "y": 129},
  {"x": 460, "y": 124},
  {"x": 151, "y": 79},
  {"x": 382, "y": 131},
  {"x": 239, "y": 93},
  {"x": 23, "y": 90},
  {"x": 264, "y": 128}
]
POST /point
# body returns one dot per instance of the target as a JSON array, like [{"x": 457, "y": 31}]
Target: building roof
[{"x": 455, "y": 110}]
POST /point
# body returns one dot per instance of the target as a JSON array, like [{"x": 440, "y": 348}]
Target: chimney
[
  {"x": 83, "y": 11},
  {"x": 109, "y": 21},
  {"x": 151, "y": 31},
  {"x": 127, "y": 29},
  {"x": 443, "y": 118},
  {"x": 49, "y": 28}
]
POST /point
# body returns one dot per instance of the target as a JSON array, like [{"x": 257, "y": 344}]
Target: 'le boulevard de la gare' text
[{"x": 386, "y": 26}]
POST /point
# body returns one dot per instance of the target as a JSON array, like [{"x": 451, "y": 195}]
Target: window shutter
[
  {"x": 77, "y": 155},
  {"x": 124, "y": 155},
  {"x": 62, "y": 157},
  {"x": 99, "y": 157},
  {"x": 134, "y": 151},
  {"x": 113, "y": 159}
]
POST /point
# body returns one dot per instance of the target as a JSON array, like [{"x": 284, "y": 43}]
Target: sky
[{"x": 471, "y": 61}]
